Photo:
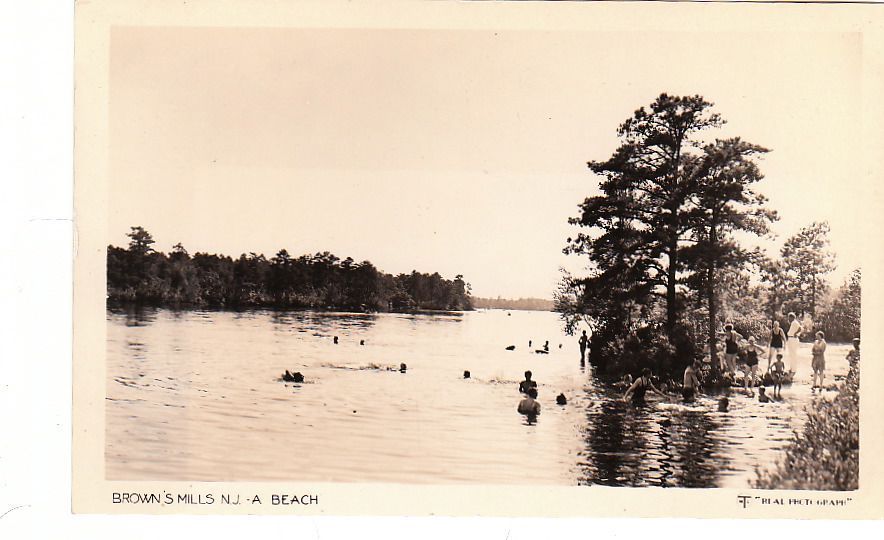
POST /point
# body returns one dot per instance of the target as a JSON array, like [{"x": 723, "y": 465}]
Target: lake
[{"x": 196, "y": 395}]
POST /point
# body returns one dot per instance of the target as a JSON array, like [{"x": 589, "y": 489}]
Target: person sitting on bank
[
  {"x": 641, "y": 385},
  {"x": 529, "y": 406},
  {"x": 691, "y": 384},
  {"x": 527, "y": 384}
]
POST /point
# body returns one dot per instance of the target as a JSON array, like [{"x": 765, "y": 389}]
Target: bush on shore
[{"x": 825, "y": 455}]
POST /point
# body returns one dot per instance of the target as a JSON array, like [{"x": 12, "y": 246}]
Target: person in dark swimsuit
[
  {"x": 777, "y": 342},
  {"x": 731, "y": 348},
  {"x": 752, "y": 352},
  {"x": 640, "y": 387}
]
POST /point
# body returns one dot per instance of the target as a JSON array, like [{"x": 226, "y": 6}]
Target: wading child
[{"x": 777, "y": 372}]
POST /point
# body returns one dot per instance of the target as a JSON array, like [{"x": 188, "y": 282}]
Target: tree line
[
  {"x": 666, "y": 265},
  {"x": 139, "y": 273}
]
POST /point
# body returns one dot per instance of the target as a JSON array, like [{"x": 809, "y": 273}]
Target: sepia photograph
[{"x": 430, "y": 255}]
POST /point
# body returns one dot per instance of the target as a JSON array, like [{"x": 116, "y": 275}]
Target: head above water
[
  {"x": 646, "y": 372},
  {"x": 532, "y": 393},
  {"x": 776, "y": 324},
  {"x": 528, "y": 375},
  {"x": 751, "y": 340},
  {"x": 728, "y": 327},
  {"x": 820, "y": 335},
  {"x": 856, "y": 342},
  {"x": 791, "y": 315},
  {"x": 779, "y": 356}
]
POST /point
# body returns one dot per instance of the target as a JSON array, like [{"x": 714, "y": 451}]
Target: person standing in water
[
  {"x": 819, "y": 360},
  {"x": 691, "y": 383},
  {"x": 777, "y": 373},
  {"x": 640, "y": 387},
  {"x": 731, "y": 347},
  {"x": 777, "y": 342},
  {"x": 583, "y": 342},
  {"x": 752, "y": 352},
  {"x": 527, "y": 384},
  {"x": 529, "y": 406},
  {"x": 793, "y": 335}
]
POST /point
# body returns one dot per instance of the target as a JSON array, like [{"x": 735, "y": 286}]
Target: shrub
[{"x": 825, "y": 455}]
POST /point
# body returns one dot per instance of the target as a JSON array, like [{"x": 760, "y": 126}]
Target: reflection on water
[{"x": 196, "y": 395}]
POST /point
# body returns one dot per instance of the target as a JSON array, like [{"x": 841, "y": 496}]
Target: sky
[{"x": 452, "y": 151}]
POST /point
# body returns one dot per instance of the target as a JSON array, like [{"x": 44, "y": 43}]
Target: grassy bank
[{"x": 825, "y": 454}]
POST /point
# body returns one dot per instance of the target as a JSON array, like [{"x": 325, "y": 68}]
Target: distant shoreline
[{"x": 118, "y": 305}]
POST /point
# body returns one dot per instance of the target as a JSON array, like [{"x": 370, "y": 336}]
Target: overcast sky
[{"x": 462, "y": 152}]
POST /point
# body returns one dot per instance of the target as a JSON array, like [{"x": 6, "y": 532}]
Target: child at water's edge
[
  {"x": 529, "y": 406},
  {"x": 777, "y": 372}
]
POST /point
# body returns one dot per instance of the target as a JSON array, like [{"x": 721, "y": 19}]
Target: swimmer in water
[
  {"x": 639, "y": 388},
  {"x": 527, "y": 384},
  {"x": 691, "y": 383},
  {"x": 529, "y": 406},
  {"x": 762, "y": 397}
]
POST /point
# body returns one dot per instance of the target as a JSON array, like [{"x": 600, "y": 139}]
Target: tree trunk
[
  {"x": 813, "y": 296},
  {"x": 671, "y": 271},
  {"x": 712, "y": 299}
]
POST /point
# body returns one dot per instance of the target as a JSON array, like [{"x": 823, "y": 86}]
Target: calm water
[{"x": 195, "y": 395}]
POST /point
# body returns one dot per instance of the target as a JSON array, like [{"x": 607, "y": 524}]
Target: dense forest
[
  {"x": 143, "y": 275},
  {"x": 527, "y": 304},
  {"x": 663, "y": 240}
]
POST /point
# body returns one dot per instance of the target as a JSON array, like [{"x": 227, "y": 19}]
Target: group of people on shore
[
  {"x": 737, "y": 349},
  {"x": 737, "y": 353},
  {"x": 691, "y": 385}
]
